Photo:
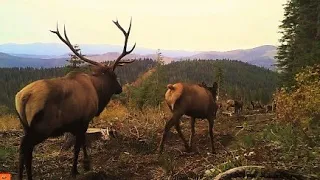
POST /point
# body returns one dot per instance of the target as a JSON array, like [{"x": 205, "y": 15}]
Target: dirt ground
[{"x": 128, "y": 157}]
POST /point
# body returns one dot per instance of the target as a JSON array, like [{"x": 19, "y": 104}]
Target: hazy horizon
[{"x": 203, "y": 25}]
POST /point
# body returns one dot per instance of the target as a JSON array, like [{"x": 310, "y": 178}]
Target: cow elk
[
  {"x": 51, "y": 107},
  {"x": 256, "y": 105},
  {"x": 238, "y": 105},
  {"x": 271, "y": 107},
  {"x": 213, "y": 89},
  {"x": 192, "y": 100},
  {"x": 268, "y": 108}
]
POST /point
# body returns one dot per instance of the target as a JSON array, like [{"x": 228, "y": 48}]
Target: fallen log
[
  {"x": 226, "y": 113},
  {"x": 258, "y": 171},
  {"x": 92, "y": 135}
]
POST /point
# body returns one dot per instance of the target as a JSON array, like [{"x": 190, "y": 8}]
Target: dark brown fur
[
  {"x": 213, "y": 89},
  {"x": 256, "y": 105},
  {"x": 268, "y": 108},
  {"x": 51, "y": 107},
  {"x": 194, "y": 101},
  {"x": 238, "y": 106}
]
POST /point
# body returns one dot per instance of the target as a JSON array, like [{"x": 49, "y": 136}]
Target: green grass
[{"x": 6, "y": 152}]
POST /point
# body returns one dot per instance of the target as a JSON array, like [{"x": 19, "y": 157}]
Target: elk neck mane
[{"x": 104, "y": 92}]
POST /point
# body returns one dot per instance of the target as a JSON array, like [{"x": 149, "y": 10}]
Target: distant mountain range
[
  {"x": 7, "y": 60},
  {"x": 53, "y": 54}
]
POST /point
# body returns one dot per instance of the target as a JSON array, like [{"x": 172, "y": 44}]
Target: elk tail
[{"x": 21, "y": 109}]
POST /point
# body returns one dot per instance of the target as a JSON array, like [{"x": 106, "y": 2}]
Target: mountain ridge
[{"x": 262, "y": 56}]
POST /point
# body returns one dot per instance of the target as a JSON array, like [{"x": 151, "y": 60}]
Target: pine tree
[
  {"x": 159, "y": 63},
  {"x": 300, "y": 41},
  {"x": 74, "y": 61},
  {"x": 219, "y": 78}
]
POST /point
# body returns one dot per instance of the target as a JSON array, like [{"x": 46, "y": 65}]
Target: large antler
[
  {"x": 124, "y": 51},
  {"x": 68, "y": 43}
]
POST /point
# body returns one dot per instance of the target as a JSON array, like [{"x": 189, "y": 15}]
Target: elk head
[
  {"x": 213, "y": 89},
  {"x": 101, "y": 70}
]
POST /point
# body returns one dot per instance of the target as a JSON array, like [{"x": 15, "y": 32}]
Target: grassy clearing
[
  {"x": 9, "y": 122},
  {"x": 245, "y": 140},
  {"x": 6, "y": 152}
]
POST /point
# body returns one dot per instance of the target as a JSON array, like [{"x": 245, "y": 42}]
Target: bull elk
[
  {"x": 50, "y": 107},
  {"x": 192, "y": 100}
]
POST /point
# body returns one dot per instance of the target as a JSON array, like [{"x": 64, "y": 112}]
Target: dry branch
[
  {"x": 258, "y": 171},
  {"x": 92, "y": 135},
  {"x": 227, "y": 113}
]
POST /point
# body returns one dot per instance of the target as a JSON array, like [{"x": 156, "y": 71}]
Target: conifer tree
[
  {"x": 74, "y": 62},
  {"x": 300, "y": 41}
]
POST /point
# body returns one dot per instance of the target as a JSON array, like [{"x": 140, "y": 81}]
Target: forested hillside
[
  {"x": 13, "y": 79},
  {"x": 237, "y": 80}
]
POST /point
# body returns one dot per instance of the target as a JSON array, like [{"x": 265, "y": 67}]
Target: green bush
[{"x": 300, "y": 105}]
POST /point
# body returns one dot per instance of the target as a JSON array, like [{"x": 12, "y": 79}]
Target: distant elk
[
  {"x": 256, "y": 105},
  {"x": 192, "y": 100},
  {"x": 238, "y": 105},
  {"x": 51, "y": 107},
  {"x": 268, "y": 108},
  {"x": 213, "y": 89},
  {"x": 271, "y": 107}
]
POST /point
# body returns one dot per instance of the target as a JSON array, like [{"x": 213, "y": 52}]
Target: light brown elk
[
  {"x": 271, "y": 107},
  {"x": 192, "y": 100},
  {"x": 238, "y": 105},
  {"x": 50, "y": 107}
]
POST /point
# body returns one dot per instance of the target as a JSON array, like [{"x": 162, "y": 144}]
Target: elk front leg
[
  {"x": 177, "y": 126},
  {"x": 192, "y": 123},
  {"x": 174, "y": 119},
  {"x": 86, "y": 159},
  {"x": 211, "y": 122}
]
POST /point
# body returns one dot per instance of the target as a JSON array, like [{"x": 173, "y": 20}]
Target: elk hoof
[
  {"x": 74, "y": 173},
  {"x": 213, "y": 151},
  {"x": 86, "y": 165},
  {"x": 188, "y": 150}
]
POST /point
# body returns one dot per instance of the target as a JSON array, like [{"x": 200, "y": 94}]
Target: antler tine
[
  {"x": 124, "y": 51},
  {"x": 68, "y": 43}
]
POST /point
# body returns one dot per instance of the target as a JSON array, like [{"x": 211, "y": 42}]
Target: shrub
[{"x": 300, "y": 105}]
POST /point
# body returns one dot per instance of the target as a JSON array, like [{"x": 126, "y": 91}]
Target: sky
[{"x": 194, "y": 25}]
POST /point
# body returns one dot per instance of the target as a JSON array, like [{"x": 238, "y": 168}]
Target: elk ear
[
  {"x": 170, "y": 86},
  {"x": 215, "y": 85}
]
